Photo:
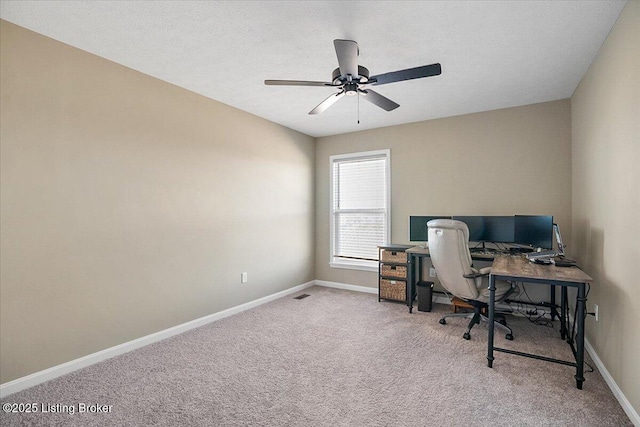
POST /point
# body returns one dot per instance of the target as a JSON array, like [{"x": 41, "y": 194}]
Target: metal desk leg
[
  {"x": 410, "y": 281},
  {"x": 492, "y": 304},
  {"x": 563, "y": 313},
  {"x": 553, "y": 302},
  {"x": 417, "y": 277},
  {"x": 580, "y": 304}
]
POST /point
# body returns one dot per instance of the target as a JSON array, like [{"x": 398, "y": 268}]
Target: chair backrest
[{"x": 450, "y": 256}]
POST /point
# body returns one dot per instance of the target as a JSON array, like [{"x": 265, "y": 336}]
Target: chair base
[{"x": 477, "y": 317}]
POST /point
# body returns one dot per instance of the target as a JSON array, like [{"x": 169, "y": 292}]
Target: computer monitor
[
  {"x": 497, "y": 229},
  {"x": 559, "y": 244},
  {"x": 418, "y": 227},
  {"x": 475, "y": 225},
  {"x": 534, "y": 230}
]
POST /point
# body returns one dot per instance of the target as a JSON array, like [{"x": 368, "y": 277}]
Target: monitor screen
[
  {"x": 418, "y": 227},
  {"x": 475, "y": 224},
  {"x": 559, "y": 244},
  {"x": 534, "y": 230},
  {"x": 498, "y": 229}
]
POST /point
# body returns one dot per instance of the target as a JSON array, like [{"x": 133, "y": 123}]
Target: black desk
[{"x": 518, "y": 268}]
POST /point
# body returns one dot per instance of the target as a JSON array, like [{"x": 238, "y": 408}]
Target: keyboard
[{"x": 542, "y": 254}]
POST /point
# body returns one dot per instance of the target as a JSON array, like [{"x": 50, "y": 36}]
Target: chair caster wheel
[
  {"x": 443, "y": 322},
  {"x": 467, "y": 336},
  {"x": 509, "y": 337}
]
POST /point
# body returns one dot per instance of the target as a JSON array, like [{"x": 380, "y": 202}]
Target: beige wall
[
  {"x": 503, "y": 162},
  {"x": 606, "y": 198},
  {"x": 130, "y": 205}
]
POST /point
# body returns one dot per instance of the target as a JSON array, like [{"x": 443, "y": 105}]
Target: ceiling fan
[{"x": 352, "y": 78}]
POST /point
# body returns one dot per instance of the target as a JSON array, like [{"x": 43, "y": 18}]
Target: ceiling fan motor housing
[{"x": 362, "y": 77}]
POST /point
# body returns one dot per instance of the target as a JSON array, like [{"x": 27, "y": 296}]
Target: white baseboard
[
  {"x": 441, "y": 299},
  {"x": 56, "y": 371},
  {"x": 36, "y": 378},
  {"x": 622, "y": 399},
  {"x": 613, "y": 386},
  {"x": 356, "y": 288}
]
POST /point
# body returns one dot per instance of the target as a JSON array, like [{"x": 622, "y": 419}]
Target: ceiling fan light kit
[{"x": 352, "y": 78}]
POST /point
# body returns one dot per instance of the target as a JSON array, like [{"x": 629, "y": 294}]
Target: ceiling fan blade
[
  {"x": 379, "y": 100},
  {"x": 408, "y": 74},
  {"x": 327, "y": 103},
  {"x": 347, "y": 51},
  {"x": 294, "y": 83}
]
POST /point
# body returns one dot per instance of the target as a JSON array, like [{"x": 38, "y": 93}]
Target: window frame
[{"x": 354, "y": 264}]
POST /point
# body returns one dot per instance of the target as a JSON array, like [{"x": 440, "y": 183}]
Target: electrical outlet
[
  {"x": 595, "y": 310},
  {"x": 432, "y": 272},
  {"x": 244, "y": 278}
]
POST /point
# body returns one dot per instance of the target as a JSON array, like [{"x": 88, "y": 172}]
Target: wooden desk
[{"x": 520, "y": 269}]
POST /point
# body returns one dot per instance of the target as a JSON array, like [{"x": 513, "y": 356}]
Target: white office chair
[{"x": 450, "y": 256}]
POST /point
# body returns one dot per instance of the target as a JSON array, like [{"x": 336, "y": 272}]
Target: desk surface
[
  {"x": 418, "y": 250},
  {"x": 424, "y": 251},
  {"x": 519, "y": 266}
]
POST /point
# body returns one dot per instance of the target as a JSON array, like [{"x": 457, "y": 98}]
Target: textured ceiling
[{"x": 494, "y": 54}]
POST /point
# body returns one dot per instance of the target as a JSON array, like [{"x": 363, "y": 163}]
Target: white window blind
[{"x": 360, "y": 206}]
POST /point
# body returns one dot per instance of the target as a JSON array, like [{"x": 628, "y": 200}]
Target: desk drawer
[
  {"x": 399, "y": 271},
  {"x": 393, "y": 289},
  {"x": 393, "y": 256}
]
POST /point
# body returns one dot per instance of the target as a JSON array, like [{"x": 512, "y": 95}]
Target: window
[{"x": 360, "y": 208}]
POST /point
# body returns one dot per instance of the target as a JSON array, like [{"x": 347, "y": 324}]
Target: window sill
[{"x": 356, "y": 265}]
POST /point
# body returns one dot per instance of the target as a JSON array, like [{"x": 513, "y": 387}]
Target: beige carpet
[{"x": 335, "y": 358}]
